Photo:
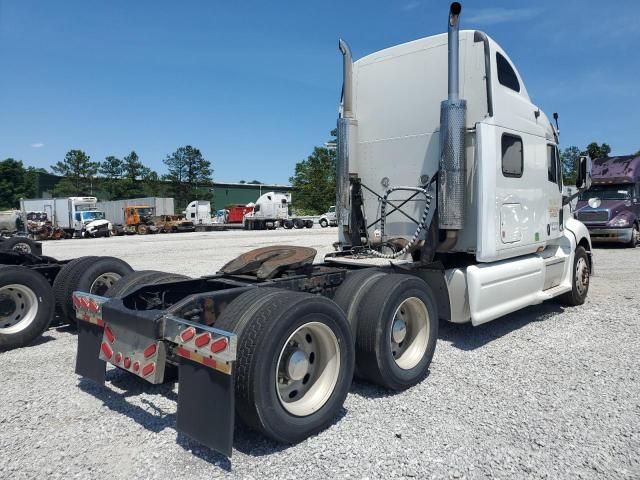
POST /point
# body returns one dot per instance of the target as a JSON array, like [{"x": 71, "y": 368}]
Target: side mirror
[{"x": 583, "y": 180}]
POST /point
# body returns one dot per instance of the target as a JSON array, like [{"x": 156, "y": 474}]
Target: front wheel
[
  {"x": 295, "y": 361},
  {"x": 323, "y": 223},
  {"x": 579, "y": 280},
  {"x": 635, "y": 236}
]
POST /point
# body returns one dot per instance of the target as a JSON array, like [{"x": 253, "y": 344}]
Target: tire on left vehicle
[
  {"x": 20, "y": 245},
  {"x": 91, "y": 274},
  {"x": 295, "y": 361},
  {"x": 635, "y": 236},
  {"x": 26, "y": 306}
]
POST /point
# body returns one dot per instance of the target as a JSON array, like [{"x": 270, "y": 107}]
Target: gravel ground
[{"x": 544, "y": 393}]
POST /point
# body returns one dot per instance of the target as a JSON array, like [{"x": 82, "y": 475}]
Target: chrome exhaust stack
[
  {"x": 452, "y": 173},
  {"x": 346, "y": 131}
]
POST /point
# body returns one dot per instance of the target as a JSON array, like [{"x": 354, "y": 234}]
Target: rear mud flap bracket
[
  {"x": 87, "y": 362},
  {"x": 206, "y": 408}
]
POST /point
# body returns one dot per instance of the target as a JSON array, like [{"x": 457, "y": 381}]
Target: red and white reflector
[
  {"x": 188, "y": 334},
  {"x": 150, "y": 350},
  {"x": 219, "y": 345},
  {"x": 109, "y": 334},
  {"x": 106, "y": 350},
  {"x": 148, "y": 369},
  {"x": 202, "y": 340}
]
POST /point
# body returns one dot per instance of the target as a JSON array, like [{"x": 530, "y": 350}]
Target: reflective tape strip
[{"x": 224, "y": 367}]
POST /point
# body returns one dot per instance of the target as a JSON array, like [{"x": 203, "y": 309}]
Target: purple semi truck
[{"x": 611, "y": 207}]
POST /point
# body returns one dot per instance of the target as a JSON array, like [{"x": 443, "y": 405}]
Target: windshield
[
  {"x": 608, "y": 192},
  {"x": 332, "y": 209},
  {"x": 92, "y": 216},
  {"x": 145, "y": 211}
]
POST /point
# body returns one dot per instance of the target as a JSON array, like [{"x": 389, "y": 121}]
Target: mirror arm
[{"x": 569, "y": 199}]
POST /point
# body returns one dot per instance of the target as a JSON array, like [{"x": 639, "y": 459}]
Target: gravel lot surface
[{"x": 544, "y": 393}]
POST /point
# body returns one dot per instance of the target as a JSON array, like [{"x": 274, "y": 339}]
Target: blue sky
[{"x": 255, "y": 85}]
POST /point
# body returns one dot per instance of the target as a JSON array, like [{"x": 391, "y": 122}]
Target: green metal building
[{"x": 225, "y": 194}]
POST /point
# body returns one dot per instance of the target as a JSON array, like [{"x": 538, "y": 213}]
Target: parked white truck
[
  {"x": 271, "y": 211},
  {"x": 449, "y": 207},
  {"x": 199, "y": 212},
  {"x": 77, "y": 216},
  {"x": 329, "y": 219}
]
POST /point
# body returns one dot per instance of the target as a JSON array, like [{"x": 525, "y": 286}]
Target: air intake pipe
[
  {"x": 346, "y": 131},
  {"x": 452, "y": 169}
]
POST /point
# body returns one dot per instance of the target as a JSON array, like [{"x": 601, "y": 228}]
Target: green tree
[
  {"x": 79, "y": 170},
  {"x": 133, "y": 167},
  {"x": 112, "y": 169},
  {"x": 569, "y": 160},
  {"x": 151, "y": 183},
  {"x": 188, "y": 173},
  {"x": 598, "y": 151},
  {"x": 31, "y": 181},
  {"x": 314, "y": 180},
  {"x": 12, "y": 174}
]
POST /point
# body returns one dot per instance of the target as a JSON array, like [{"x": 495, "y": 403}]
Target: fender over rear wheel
[
  {"x": 135, "y": 280},
  {"x": 295, "y": 361}
]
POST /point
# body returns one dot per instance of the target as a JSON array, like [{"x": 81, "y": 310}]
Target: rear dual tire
[
  {"x": 294, "y": 363},
  {"x": 394, "y": 318}
]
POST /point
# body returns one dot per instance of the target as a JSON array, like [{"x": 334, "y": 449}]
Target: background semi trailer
[
  {"x": 432, "y": 191},
  {"x": 114, "y": 209},
  {"x": 611, "y": 207}
]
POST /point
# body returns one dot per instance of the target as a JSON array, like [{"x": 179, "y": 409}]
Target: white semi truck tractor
[
  {"x": 449, "y": 208},
  {"x": 271, "y": 211}
]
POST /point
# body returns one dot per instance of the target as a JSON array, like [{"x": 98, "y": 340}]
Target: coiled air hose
[{"x": 421, "y": 224}]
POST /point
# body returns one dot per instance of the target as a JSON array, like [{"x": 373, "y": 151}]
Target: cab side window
[
  {"x": 552, "y": 172},
  {"x": 554, "y": 169},
  {"x": 512, "y": 156},
  {"x": 506, "y": 74}
]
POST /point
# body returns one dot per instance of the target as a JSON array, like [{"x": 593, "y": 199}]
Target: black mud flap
[
  {"x": 206, "y": 406},
  {"x": 88, "y": 363}
]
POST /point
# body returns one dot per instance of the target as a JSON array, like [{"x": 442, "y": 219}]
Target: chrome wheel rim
[
  {"x": 101, "y": 284},
  {"x": 308, "y": 368},
  {"x": 582, "y": 276},
  {"x": 409, "y": 335},
  {"x": 21, "y": 247},
  {"x": 18, "y": 308}
]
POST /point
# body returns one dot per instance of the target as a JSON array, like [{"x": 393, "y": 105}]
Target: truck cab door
[{"x": 553, "y": 191}]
